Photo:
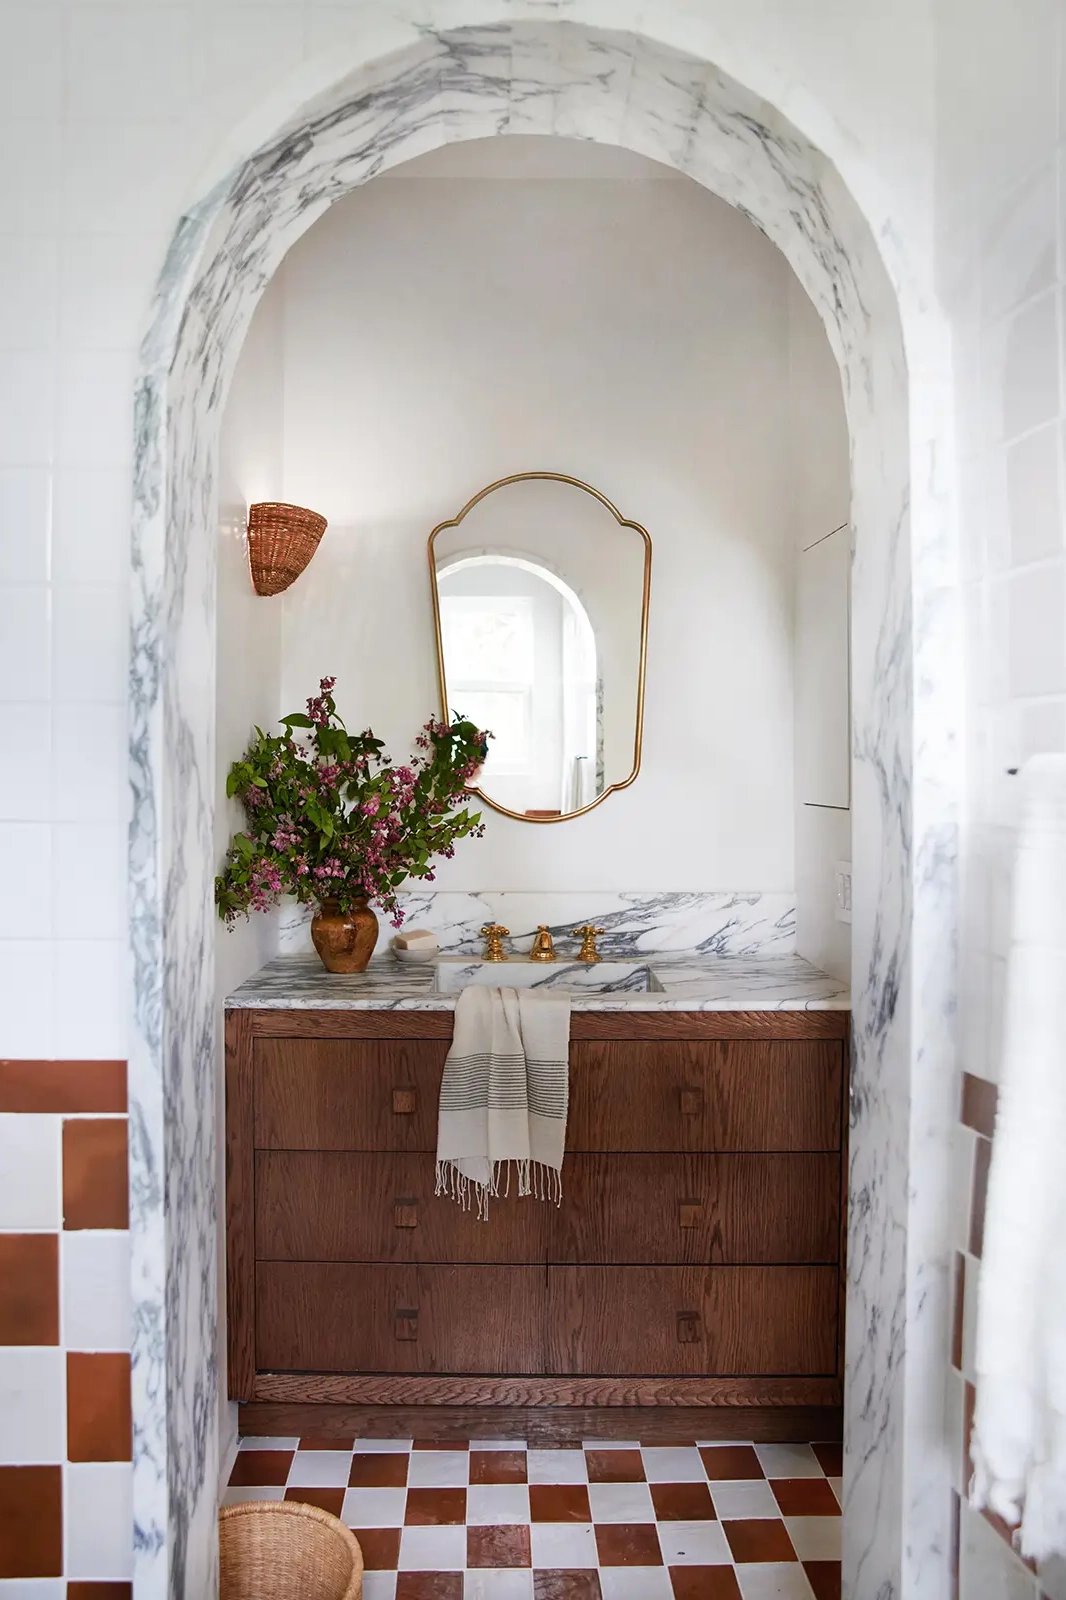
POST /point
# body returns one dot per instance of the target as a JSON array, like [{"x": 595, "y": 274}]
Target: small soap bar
[{"x": 416, "y": 939}]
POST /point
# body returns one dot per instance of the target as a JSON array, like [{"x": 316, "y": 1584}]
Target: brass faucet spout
[{"x": 542, "y": 948}]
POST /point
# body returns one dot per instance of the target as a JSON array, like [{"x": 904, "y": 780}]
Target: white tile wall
[
  {"x": 25, "y": 524},
  {"x": 90, "y": 645},
  {"x": 94, "y": 1286},
  {"x": 33, "y": 1405},
  {"x": 30, "y": 1187},
  {"x": 98, "y": 1516}
]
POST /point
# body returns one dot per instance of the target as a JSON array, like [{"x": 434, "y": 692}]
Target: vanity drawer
[
  {"x": 347, "y": 1094},
  {"x": 346, "y": 1206},
  {"x": 718, "y": 1321},
  {"x": 328, "y": 1317},
  {"x": 734, "y": 1094},
  {"x": 698, "y": 1209}
]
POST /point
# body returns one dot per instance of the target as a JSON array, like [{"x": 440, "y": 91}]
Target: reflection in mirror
[{"x": 540, "y": 596}]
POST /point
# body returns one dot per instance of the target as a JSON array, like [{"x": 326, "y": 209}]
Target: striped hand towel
[{"x": 503, "y": 1096}]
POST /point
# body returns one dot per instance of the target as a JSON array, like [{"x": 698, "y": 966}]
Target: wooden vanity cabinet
[{"x": 696, "y": 1259}]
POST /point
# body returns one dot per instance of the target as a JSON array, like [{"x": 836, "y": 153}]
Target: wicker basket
[
  {"x": 285, "y": 1550},
  {"x": 281, "y": 541}
]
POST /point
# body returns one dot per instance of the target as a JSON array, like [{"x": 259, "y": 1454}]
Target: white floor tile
[
  {"x": 33, "y": 1588},
  {"x": 433, "y": 1550},
  {"x": 788, "y": 1461},
  {"x": 498, "y": 1583},
  {"x": 246, "y": 1442},
  {"x": 387, "y": 1446},
  {"x": 774, "y": 1580},
  {"x": 492, "y": 1504},
  {"x": 374, "y": 1508},
  {"x": 744, "y": 1498},
  {"x": 320, "y": 1469},
  {"x": 837, "y": 1486},
  {"x": 635, "y": 1583},
  {"x": 673, "y": 1466},
  {"x": 379, "y": 1586},
  {"x": 563, "y": 1544},
  {"x": 95, "y": 1270},
  {"x": 557, "y": 1466},
  {"x": 621, "y": 1502},
  {"x": 240, "y": 1494},
  {"x": 439, "y": 1469},
  {"x": 694, "y": 1544},
  {"x": 815, "y": 1538}
]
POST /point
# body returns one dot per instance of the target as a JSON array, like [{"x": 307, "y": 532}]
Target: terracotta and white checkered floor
[{"x": 495, "y": 1520}]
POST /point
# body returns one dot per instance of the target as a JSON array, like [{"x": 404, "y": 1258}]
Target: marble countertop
[{"x": 716, "y": 983}]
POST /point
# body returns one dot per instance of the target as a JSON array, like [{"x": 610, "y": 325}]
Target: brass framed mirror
[{"x": 541, "y": 592}]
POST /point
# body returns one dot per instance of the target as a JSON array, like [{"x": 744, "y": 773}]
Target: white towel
[
  {"x": 503, "y": 1097},
  {"x": 1019, "y": 1440}
]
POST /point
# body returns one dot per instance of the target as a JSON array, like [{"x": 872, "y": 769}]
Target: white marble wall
[{"x": 546, "y": 76}]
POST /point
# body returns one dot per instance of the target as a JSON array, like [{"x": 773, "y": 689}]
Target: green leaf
[{"x": 296, "y": 719}]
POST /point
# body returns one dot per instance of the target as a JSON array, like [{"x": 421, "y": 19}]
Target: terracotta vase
[{"x": 344, "y": 940}]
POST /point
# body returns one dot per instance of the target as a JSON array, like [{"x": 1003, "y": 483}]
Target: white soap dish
[{"x": 426, "y": 950}]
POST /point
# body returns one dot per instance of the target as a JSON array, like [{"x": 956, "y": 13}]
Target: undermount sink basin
[{"x": 602, "y": 977}]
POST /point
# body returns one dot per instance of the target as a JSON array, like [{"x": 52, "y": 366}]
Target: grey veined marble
[
  {"x": 423, "y": 73},
  {"x": 724, "y": 983}
]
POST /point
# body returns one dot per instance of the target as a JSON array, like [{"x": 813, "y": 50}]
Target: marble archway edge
[{"x": 546, "y": 75}]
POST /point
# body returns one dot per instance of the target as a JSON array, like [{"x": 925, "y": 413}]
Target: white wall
[
  {"x": 248, "y": 633},
  {"x": 818, "y": 437},
  {"x": 617, "y": 323}
]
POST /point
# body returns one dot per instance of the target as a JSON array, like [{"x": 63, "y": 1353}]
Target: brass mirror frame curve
[{"x": 623, "y": 522}]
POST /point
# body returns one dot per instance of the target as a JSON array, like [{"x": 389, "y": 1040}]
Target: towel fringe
[{"x": 534, "y": 1178}]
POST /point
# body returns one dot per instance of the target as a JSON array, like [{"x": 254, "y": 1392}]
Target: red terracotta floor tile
[
  {"x": 435, "y": 1507},
  {"x": 498, "y": 1547},
  {"x": 326, "y": 1441},
  {"x": 95, "y": 1175},
  {"x": 260, "y": 1467},
  {"x": 704, "y": 1583},
  {"x": 562, "y": 1585},
  {"x": 330, "y": 1500},
  {"x": 386, "y": 1469},
  {"x": 99, "y": 1426},
  {"x": 441, "y": 1444},
  {"x": 429, "y": 1585},
  {"x": 559, "y": 1502},
  {"x": 90, "y": 1589},
  {"x": 824, "y": 1579},
  {"x": 726, "y": 1463},
  {"x": 759, "y": 1539},
  {"x": 805, "y": 1497},
  {"x": 682, "y": 1502},
  {"x": 830, "y": 1458},
  {"x": 380, "y": 1547},
  {"x": 628, "y": 1544},
  {"x": 29, "y": 1288},
  {"x": 615, "y": 1466},
  {"x": 497, "y": 1466}
]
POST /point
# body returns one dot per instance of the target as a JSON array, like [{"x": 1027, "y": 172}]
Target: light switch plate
[{"x": 842, "y": 891}]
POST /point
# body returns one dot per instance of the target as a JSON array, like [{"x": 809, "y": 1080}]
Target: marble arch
[{"x": 541, "y": 69}]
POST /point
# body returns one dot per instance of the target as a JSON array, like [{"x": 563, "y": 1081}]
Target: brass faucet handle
[
  {"x": 542, "y": 948},
  {"x": 587, "y": 934},
  {"x": 494, "y": 933}
]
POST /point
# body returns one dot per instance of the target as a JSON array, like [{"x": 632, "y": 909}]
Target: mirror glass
[{"x": 540, "y": 591}]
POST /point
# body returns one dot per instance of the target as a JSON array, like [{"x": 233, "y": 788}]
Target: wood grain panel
[
  {"x": 328, "y": 1317},
  {"x": 269, "y": 1023},
  {"x": 705, "y": 1095},
  {"x": 240, "y": 1227},
  {"x": 540, "y": 1425},
  {"x": 345, "y": 1206},
  {"x": 697, "y": 1209},
  {"x": 727, "y": 1321},
  {"x": 378, "y": 1388},
  {"x": 322, "y": 1094}
]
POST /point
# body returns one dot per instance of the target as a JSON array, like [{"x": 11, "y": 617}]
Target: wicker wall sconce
[{"x": 281, "y": 541}]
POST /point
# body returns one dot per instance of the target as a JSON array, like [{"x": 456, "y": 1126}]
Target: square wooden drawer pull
[
  {"x": 405, "y": 1214},
  {"x": 689, "y": 1214},
  {"x": 406, "y": 1327},
  {"x": 688, "y": 1327},
  {"x": 691, "y": 1102},
  {"x": 404, "y": 1102}
]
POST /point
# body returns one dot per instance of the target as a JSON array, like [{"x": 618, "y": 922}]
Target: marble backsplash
[{"x": 634, "y": 922}]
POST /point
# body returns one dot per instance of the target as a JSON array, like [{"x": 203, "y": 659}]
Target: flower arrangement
[{"x": 330, "y": 818}]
